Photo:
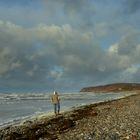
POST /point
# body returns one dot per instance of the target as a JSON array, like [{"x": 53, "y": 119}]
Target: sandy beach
[{"x": 111, "y": 120}]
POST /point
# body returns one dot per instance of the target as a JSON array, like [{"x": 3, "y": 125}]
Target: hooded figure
[{"x": 56, "y": 102}]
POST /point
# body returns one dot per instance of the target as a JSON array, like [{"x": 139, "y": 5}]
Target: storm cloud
[
  {"x": 69, "y": 45},
  {"x": 132, "y": 6}
]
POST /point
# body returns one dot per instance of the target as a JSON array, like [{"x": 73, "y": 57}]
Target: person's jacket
[{"x": 55, "y": 99}]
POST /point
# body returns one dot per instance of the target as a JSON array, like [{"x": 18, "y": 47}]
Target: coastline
[{"x": 83, "y": 122}]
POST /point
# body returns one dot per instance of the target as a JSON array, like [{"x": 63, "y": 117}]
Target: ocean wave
[
  {"x": 26, "y": 111},
  {"x": 42, "y": 96},
  {"x": 12, "y": 97}
]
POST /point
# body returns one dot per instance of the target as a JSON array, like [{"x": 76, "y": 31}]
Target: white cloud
[
  {"x": 113, "y": 49},
  {"x": 31, "y": 54}
]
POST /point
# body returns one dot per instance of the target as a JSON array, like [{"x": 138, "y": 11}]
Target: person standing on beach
[{"x": 56, "y": 102}]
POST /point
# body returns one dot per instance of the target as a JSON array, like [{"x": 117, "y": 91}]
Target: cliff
[{"x": 116, "y": 87}]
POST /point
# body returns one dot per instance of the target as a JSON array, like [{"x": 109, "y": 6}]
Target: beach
[{"x": 111, "y": 120}]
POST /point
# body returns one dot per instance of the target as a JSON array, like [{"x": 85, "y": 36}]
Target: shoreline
[
  {"x": 18, "y": 121},
  {"x": 29, "y": 117},
  {"x": 50, "y": 127}
]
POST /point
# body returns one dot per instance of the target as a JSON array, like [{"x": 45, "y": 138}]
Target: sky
[{"x": 66, "y": 45}]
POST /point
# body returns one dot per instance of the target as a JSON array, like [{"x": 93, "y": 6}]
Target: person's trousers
[{"x": 57, "y": 108}]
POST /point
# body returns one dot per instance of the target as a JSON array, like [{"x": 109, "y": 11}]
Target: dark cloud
[
  {"x": 71, "y": 45},
  {"x": 136, "y": 76},
  {"x": 53, "y": 55},
  {"x": 131, "y": 6},
  {"x": 78, "y": 13}
]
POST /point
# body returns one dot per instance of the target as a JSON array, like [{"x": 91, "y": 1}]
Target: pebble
[{"x": 109, "y": 124}]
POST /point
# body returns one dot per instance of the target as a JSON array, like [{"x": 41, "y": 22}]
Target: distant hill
[{"x": 116, "y": 87}]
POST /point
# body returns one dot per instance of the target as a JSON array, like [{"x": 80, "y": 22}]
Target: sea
[{"x": 16, "y": 107}]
